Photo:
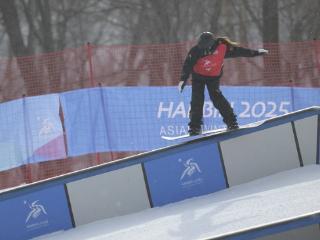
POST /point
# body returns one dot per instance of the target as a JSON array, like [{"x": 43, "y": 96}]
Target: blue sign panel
[
  {"x": 30, "y": 131},
  {"x": 135, "y": 118},
  {"x": 86, "y": 121},
  {"x": 185, "y": 172},
  {"x": 305, "y": 97},
  {"x": 45, "y": 140},
  {"x": 34, "y": 214},
  {"x": 13, "y": 149}
]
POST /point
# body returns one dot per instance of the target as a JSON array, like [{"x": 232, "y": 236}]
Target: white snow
[{"x": 264, "y": 201}]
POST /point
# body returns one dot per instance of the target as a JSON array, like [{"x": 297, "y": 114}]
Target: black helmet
[{"x": 206, "y": 40}]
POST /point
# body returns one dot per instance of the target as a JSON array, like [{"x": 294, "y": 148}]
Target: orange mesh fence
[
  {"x": 287, "y": 64},
  {"x": 42, "y": 74}
]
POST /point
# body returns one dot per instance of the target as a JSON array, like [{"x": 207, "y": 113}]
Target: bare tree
[
  {"x": 47, "y": 26},
  {"x": 300, "y": 19},
  {"x": 12, "y": 25},
  {"x": 270, "y": 15},
  {"x": 270, "y": 33},
  {"x": 52, "y": 25}
]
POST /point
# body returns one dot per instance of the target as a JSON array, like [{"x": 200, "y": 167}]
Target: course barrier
[{"x": 167, "y": 175}]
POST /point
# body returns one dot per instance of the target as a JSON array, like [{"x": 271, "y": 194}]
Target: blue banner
[
  {"x": 44, "y": 131},
  {"x": 305, "y": 97},
  {"x": 13, "y": 149},
  {"x": 30, "y": 131},
  {"x": 186, "y": 172},
  {"x": 35, "y": 214},
  {"x": 86, "y": 121},
  {"x": 135, "y": 118}
]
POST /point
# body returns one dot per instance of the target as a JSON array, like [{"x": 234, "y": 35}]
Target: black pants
[{"x": 217, "y": 98}]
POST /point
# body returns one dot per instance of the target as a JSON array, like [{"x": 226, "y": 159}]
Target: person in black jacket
[{"x": 205, "y": 62}]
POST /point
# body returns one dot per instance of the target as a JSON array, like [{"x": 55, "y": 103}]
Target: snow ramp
[{"x": 258, "y": 182}]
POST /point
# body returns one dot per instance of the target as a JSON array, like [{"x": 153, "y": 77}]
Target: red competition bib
[{"x": 211, "y": 65}]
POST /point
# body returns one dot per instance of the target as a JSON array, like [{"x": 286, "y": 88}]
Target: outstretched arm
[{"x": 234, "y": 52}]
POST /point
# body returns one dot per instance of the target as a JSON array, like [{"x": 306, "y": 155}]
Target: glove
[
  {"x": 181, "y": 86},
  {"x": 262, "y": 51}
]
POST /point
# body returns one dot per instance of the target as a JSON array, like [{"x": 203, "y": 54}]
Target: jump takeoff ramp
[{"x": 255, "y": 183}]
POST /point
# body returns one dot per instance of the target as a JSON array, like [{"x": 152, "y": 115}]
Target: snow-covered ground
[{"x": 264, "y": 201}]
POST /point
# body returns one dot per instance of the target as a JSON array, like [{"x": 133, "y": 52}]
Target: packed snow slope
[{"x": 274, "y": 199}]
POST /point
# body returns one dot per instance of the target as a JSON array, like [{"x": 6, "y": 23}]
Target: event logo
[
  {"x": 191, "y": 173},
  {"x": 208, "y": 65},
  {"x": 247, "y": 112},
  {"x": 36, "y": 212},
  {"x": 175, "y": 116},
  {"x": 47, "y": 127},
  {"x": 181, "y": 110},
  {"x": 191, "y": 167}
]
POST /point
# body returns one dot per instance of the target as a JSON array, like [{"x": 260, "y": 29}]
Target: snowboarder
[{"x": 205, "y": 62}]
